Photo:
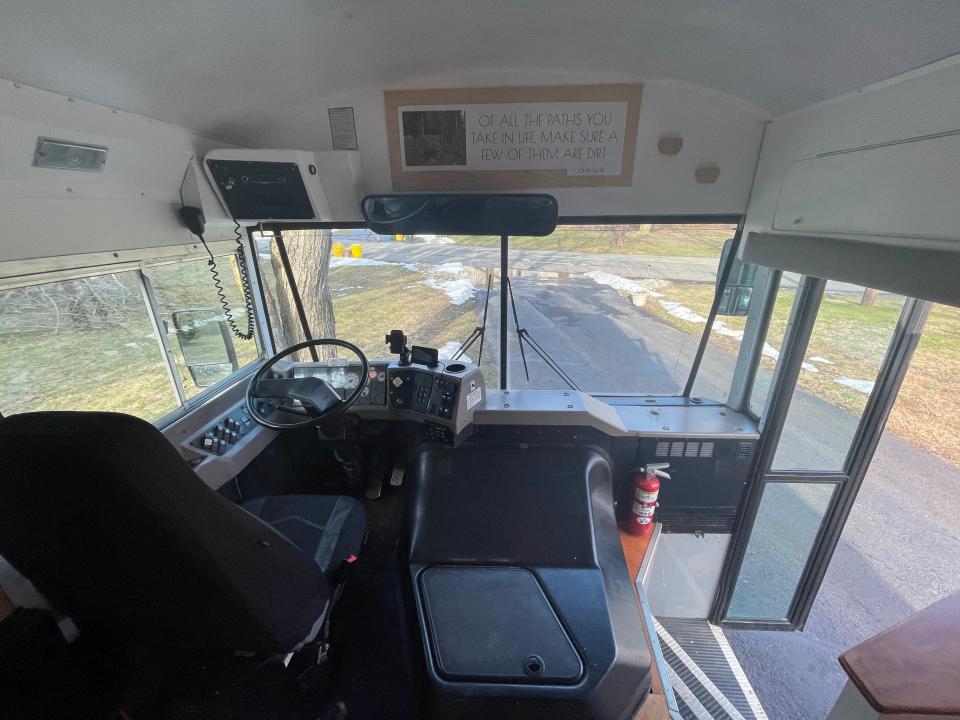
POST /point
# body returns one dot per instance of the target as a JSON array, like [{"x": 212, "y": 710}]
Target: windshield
[{"x": 606, "y": 308}]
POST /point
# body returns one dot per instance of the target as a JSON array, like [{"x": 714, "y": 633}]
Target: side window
[
  {"x": 84, "y": 344},
  {"x": 205, "y": 346},
  {"x": 139, "y": 341}
]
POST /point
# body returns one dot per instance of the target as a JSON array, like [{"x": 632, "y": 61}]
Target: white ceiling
[{"x": 223, "y": 67}]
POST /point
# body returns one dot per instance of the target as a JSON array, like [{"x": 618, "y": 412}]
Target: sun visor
[
  {"x": 925, "y": 269},
  {"x": 255, "y": 186}
]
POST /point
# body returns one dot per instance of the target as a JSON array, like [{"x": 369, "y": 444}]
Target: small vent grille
[
  {"x": 688, "y": 449},
  {"x": 744, "y": 450}
]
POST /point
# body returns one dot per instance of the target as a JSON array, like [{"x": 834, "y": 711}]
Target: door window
[
  {"x": 784, "y": 532},
  {"x": 850, "y": 338}
]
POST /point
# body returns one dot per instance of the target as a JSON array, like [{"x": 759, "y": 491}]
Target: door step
[{"x": 707, "y": 680}]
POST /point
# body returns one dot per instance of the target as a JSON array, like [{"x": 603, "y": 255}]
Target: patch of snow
[
  {"x": 720, "y": 327},
  {"x": 620, "y": 283},
  {"x": 861, "y": 386},
  {"x": 809, "y": 367},
  {"x": 451, "y": 268},
  {"x": 459, "y": 291},
  {"x": 681, "y": 311},
  {"x": 770, "y": 351},
  {"x": 818, "y": 359},
  {"x": 435, "y": 239},
  {"x": 446, "y": 352},
  {"x": 410, "y": 266}
]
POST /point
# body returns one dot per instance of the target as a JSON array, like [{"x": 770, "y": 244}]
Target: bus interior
[{"x": 422, "y": 360}]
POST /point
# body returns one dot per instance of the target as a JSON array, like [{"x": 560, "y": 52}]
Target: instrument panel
[{"x": 344, "y": 378}]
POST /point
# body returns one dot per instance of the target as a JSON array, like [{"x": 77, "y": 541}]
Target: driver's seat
[{"x": 102, "y": 514}]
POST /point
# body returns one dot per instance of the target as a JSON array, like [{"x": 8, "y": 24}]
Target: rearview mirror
[
  {"x": 475, "y": 214},
  {"x": 735, "y": 299},
  {"x": 204, "y": 339}
]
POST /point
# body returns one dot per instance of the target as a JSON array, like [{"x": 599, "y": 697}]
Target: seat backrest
[{"x": 113, "y": 527}]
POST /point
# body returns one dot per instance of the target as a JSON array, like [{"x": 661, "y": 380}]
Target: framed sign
[{"x": 512, "y": 138}]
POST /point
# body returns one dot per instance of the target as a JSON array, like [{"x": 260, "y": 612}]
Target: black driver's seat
[
  {"x": 102, "y": 514},
  {"x": 329, "y": 529}
]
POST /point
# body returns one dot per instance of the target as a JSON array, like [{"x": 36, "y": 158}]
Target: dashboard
[{"x": 442, "y": 398}]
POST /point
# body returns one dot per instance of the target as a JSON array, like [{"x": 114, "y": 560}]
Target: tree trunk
[
  {"x": 309, "y": 254},
  {"x": 621, "y": 235},
  {"x": 869, "y": 297}
]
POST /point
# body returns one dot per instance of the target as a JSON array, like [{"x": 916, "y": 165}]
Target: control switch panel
[
  {"x": 443, "y": 399},
  {"x": 225, "y": 433}
]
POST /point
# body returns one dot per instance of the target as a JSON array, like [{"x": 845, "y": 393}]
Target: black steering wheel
[{"x": 319, "y": 399}]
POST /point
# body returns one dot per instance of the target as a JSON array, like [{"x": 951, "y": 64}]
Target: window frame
[
  {"x": 277, "y": 228},
  {"x": 39, "y": 271}
]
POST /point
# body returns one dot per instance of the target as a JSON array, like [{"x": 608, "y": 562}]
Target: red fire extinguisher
[{"x": 646, "y": 490}]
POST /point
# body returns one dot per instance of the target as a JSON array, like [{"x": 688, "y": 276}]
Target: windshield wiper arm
[
  {"x": 524, "y": 335},
  {"x": 478, "y": 332}
]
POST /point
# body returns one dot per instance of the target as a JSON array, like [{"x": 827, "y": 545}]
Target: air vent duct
[{"x": 684, "y": 449}]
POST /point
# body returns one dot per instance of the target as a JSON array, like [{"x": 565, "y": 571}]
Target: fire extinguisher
[{"x": 646, "y": 490}]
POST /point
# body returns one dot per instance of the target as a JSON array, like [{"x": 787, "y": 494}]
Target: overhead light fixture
[{"x": 67, "y": 155}]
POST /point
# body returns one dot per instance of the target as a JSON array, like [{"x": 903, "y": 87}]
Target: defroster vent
[{"x": 684, "y": 449}]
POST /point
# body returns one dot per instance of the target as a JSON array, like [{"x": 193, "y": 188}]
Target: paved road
[
  {"x": 899, "y": 551},
  {"x": 685, "y": 269},
  {"x": 699, "y": 269}
]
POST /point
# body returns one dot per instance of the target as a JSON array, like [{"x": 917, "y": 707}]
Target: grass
[
  {"x": 115, "y": 370},
  {"x": 674, "y": 240},
  {"x": 369, "y": 301}
]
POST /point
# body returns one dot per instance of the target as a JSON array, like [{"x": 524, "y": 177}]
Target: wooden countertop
[
  {"x": 914, "y": 667},
  {"x": 634, "y": 550}
]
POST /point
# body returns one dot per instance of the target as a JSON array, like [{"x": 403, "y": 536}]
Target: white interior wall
[
  {"x": 130, "y": 204},
  {"x": 920, "y": 103},
  {"x": 716, "y": 128}
]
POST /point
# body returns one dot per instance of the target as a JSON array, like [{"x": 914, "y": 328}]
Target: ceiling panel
[{"x": 223, "y": 67}]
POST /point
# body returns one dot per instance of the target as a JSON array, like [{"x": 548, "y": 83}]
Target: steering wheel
[{"x": 318, "y": 397}]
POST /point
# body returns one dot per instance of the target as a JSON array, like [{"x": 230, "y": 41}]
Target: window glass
[
  {"x": 715, "y": 375},
  {"x": 205, "y": 349},
  {"x": 85, "y": 344},
  {"x": 850, "y": 338},
  {"x": 620, "y": 308},
  {"x": 925, "y": 413},
  {"x": 431, "y": 287},
  {"x": 783, "y": 534},
  {"x": 776, "y": 330}
]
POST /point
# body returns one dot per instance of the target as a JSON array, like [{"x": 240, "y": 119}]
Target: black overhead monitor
[{"x": 254, "y": 190}]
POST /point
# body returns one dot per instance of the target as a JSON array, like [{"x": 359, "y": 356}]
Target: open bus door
[{"x": 812, "y": 455}]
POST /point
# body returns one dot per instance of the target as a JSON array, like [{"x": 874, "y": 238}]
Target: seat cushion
[{"x": 326, "y": 528}]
